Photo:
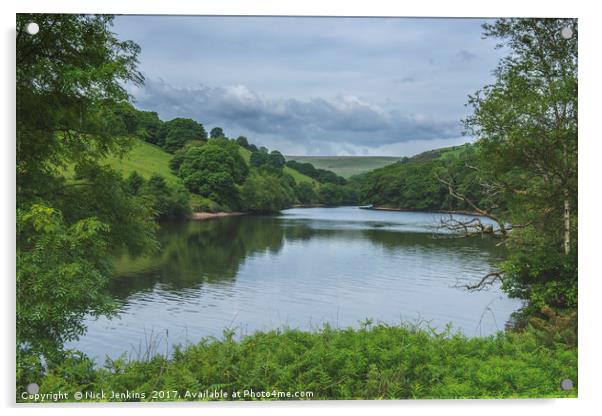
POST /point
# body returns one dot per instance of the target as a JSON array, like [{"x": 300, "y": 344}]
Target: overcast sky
[{"x": 315, "y": 86}]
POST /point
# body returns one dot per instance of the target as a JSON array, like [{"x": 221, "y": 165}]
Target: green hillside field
[
  {"x": 346, "y": 166},
  {"x": 145, "y": 158},
  {"x": 148, "y": 159}
]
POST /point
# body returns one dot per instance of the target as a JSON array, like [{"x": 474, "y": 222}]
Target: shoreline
[
  {"x": 441, "y": 211},
  {"x": 307, "y": 206},
  {"x": 201, "y": 216}
]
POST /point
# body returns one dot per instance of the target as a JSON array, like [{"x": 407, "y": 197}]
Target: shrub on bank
[{"x": 380, "y": 362}]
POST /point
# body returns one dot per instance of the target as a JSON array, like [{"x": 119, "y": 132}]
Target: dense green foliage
[
  {"x": 321, "y": 175},
  {"x": 216, "y": 132},
  {"x": 143, "y": 124},
  {"x": 526, "y": 123},
  {"x": 271, "y": 162},
  {"x": 167, "y": 201},
  {"x": 68, "y": 81},
  {"x": 334, "y": 190},
  {"x": 243, "y": 142},
  {"x": 412, "y": 183},
  {"x": 174, "y": 134},
  {"x": 306, "y": 194},
  {"x": 379, "y": 362},
  {"x": 213, "y": 170},
  {"x": 334, "y": 195},
  {"x": 266, "y": 193}
]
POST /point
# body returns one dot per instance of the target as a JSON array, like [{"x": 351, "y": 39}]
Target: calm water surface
[{"x": 301, "y": 269}]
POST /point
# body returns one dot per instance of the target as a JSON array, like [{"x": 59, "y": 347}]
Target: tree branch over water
[
  {"x": 463, "y": 229},
  {"x": 475, "y": 226},
  {"x": 486, "y": 281}
]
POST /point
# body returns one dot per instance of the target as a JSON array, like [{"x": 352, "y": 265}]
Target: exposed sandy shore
[{"x": 209, "y": 215}]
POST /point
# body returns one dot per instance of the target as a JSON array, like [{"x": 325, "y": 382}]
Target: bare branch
[
  {"x": 461, "y": 197},
  {"x": 463, "y": 229},
  {"x": 487, "y": 280},
  {"x": 464, "y": 198}
]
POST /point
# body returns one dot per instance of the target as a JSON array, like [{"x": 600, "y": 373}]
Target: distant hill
[
  {"x": 346, "y": 166},
  {"x": 412, "y": 184},
  {"x": 443, "y": 153}
]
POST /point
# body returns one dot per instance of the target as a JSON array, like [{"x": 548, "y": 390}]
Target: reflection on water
[{"x": 302, "y": 269}]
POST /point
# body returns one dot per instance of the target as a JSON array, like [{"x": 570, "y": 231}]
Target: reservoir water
[{"x": 301, "y": 269}]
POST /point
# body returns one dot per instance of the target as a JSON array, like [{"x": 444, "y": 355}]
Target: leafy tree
[
  {"x": 242, "y": 141},
  {"x": 276, "y": 160},
  {"x": 289, "y": 180},
  {"x": 526, "y": 123},
  {"x": 174, "y": 134},
  {"x": 320, "y": 175},
  {"x": 265, "y": 193},
  {"x": 127, "y": 114},
  {"x": 306, "y": 193},
  {"x": 216, "y": 132},
  {"x": 134, "y": 182},
  {"x": 258, "y": 159},
  {"x": 327, "y": 176},
  {"x": 68, "y": 78},
  {"x": 304, "y": 168},
  {"x": 333, "y": 195},
  {"x": 214, "y": 170},
  {"x": 133, "y": 122},
  {"x": 178, "y": 157},
  {"x": 527, "y": 119},
  {"x": 77, "y": 233},
  {"x": 148, "y": 125},
  {"x": 61, "y": 272},
  {"x": 167, "y": 201}
]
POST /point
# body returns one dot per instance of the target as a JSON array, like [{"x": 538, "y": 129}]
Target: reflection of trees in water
[
  {"x": 395, "y": 240},
  {"x": 197, "y": 252}
]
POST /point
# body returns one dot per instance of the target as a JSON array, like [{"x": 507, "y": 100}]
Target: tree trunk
[
  {"x": 567, "y": 209},
  {"x": 567, "y": 224}
]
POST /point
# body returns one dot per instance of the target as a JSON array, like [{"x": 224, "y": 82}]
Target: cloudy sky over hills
[{"x": 311, "y": 86}]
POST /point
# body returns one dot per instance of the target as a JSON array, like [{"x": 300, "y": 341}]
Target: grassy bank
[{"x": 380, "y": 362}]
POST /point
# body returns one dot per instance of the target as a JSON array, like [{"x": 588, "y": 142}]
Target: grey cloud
[
  {"x": 344, "y": 119},
  {"x": 293, "y": 83}
]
